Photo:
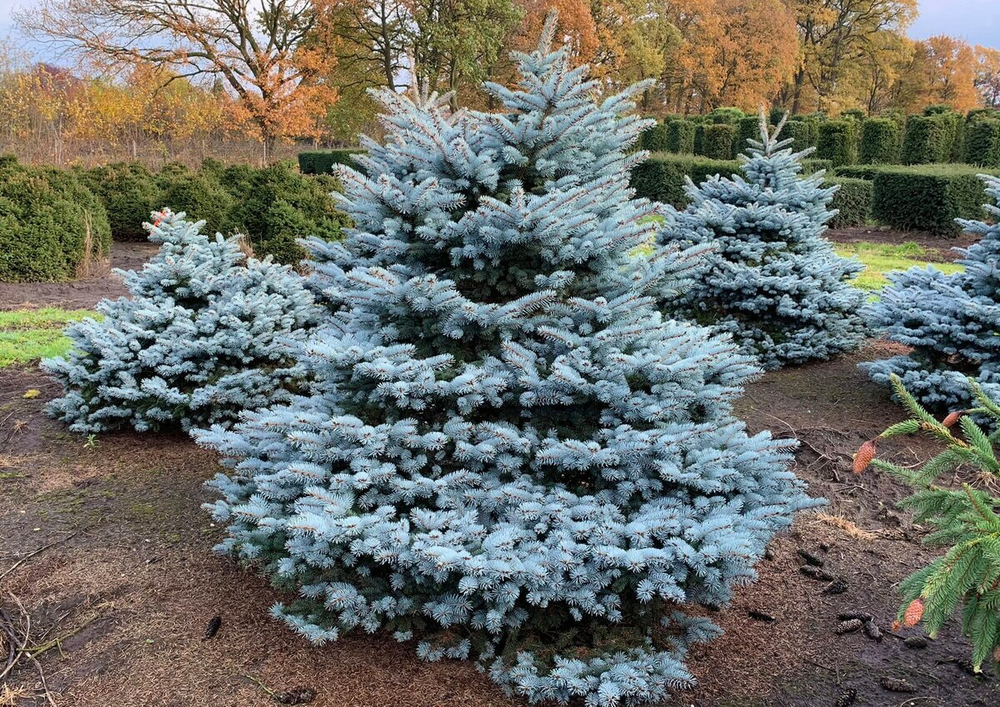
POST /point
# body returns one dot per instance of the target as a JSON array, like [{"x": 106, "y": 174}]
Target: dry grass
[{"x": 847, "y": 526}]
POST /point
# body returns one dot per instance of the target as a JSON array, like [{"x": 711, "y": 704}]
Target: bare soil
[{"x": 78, "y": 294}]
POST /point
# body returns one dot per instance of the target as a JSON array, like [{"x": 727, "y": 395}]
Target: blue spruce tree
[
  {"x": 773, "y": 282},
  {"x": 949, "y": 321},
  {"x": 507, "y": 454},
  {"x": 206, "y": 333}
]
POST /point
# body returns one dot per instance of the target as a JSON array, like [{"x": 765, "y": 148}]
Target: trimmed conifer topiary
[
  {"x": 773, "y": 282},
  {"x": 948, "y": 320},
  {"x": 507, "y": 454},
  {"x": 206, "y": 334}
]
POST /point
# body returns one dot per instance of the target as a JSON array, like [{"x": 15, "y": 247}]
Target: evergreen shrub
[
  {"x": 838, "y": 142},
  {"x": 926, "y": 197},
  {"x": 205, "y": 335},
  {"x": 323, "y": 161},
  {"x": 655, "y": 138},
  {"x": 52, "y": 227},
  {"x": 718, "y": 140},
  {"x": 929, "y": 139},
  {"x": 506, "y": 454},
  {"x": 853, "y": 202},
  {"x": 680, "y": 137},
  {"x": 129, "y": 193},
  {"x": 982, "y": 142},
  {"x": 880, "y": 141}
]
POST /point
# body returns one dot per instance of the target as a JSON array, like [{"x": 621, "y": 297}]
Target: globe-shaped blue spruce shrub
[
  {"x": 206, "y": 333},
  {"x": 507, "y": 454},
  {"x": 773, "y": 282},
  {"x": 949, "y": 321}
]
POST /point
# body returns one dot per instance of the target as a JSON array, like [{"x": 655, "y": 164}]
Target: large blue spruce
[
  {"x": 205, "y": 334},
  {"x": 508, "y": 455},
  {"x": 773, "y": 281},
  {"x": 949, "y": 321}
]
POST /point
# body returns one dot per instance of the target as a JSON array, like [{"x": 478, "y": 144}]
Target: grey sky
[{"x": 976, "y": 21}]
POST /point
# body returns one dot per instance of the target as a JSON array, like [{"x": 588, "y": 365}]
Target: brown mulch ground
[
  {"x": 78, "y": 294},
  {"x": 129, "y": 582}
]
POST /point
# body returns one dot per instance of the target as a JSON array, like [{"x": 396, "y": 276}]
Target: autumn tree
[
  {"x": 987, "y": 75},
  {"x": 950, "y": 69},
  {"x": 835, "y": 35},
  {"x": 273, "y": 55}
]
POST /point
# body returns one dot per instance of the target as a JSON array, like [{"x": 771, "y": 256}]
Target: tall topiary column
[
  {"x": 949, "y": 321},
  {"x": 508, "y": 455},
  {"x": 206, "y": 334},
  {"x": 773, "y": 282}
]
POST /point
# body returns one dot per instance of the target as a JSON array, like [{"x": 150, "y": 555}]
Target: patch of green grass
[
  {"x": 28, "y": 335},
  {"x": 882, "y": 258}
]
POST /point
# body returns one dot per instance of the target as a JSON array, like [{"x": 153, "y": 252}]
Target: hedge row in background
[
  {"x": 982, "y": 143},
  {"x": 923, "y": 197},
  {"x": 272, "y": 206},
  {"x": 52, "y": 227},
  {"x": 718, "y": 141},
  {"x": 853, "y": 201},
  {"x": 838, "y": 142},
  {"x": 880, "y": 141},
  {"x": 322, "y": 162}
]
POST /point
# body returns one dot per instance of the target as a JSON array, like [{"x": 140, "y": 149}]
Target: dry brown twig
[{"x": 39, "y": 551}]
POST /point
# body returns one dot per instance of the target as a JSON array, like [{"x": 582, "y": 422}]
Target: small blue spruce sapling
[
  {"x": 205, "y": 334},
  {"x": 773, "y": 281},
  {"x": 506, "y": 453},
  {"x": 948, "y": 321}
]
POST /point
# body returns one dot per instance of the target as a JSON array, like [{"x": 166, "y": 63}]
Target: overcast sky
[{"x": 976, "y": 21}]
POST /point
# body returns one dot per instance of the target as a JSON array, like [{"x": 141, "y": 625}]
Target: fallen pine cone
[
  {"x": 213, "y": 627},
  {"x": 760, "y": 616},
  {"x": 837, "y": 586},
  {"x": 872, "y": 630},
  {"x": 863, "y": 615},
  {"x": 849, "y": 626},
  {"x": 916, "y": 642},
  {"x": 298, "y": 696},
  {"x": 811, "y": 558},
  {"x": 847, "y": 698},
  {"x": 816, "y": 573},
  {"x": 863, "y": 457},
  {"x": 896, "y": 685}
]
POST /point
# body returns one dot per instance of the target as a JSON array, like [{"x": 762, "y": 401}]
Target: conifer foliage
[
  {"x": 949, "y": 321},
  {"x": 774, "y": 283},
  {"x": 507, "y": 454},
  {"x": 966, "y": 519},
  {"x": 206, "y": 333}
]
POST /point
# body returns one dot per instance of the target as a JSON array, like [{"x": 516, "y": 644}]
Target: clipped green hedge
[
  {"x": 802, "y": 133},
  {"x": 680, "y": 137},
  {"x": 838, "y": 142},
  {"x": 322, "y": 162},
  {"x": 654, "y": 138},
  {"x": 880, "y": 141},
  {"x": 929, "y": 139},
  {"x": 727, "y": 116},
  {"x": 51, "y": 224},
  {"x": 927, "y": 197},
  {"x": 982, "y": 142},
  {"x": 853, "y": 201},
  {"x": 717, "y": 141},
  {"x": 747, "y": 129}
]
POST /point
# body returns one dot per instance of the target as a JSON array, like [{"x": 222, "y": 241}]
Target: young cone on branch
[{"x": 508, "y": 455}]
